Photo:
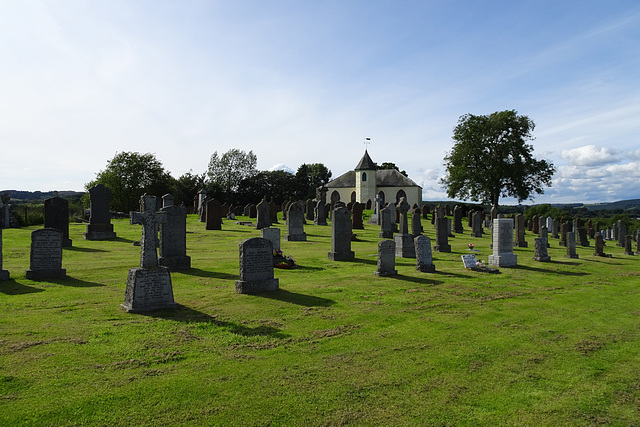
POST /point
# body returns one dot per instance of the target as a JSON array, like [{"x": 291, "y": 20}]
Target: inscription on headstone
[
  {"x": 46, "y": 255},
  {"x": 386, "y": 258},
  {"x": 256, "y": 267}
]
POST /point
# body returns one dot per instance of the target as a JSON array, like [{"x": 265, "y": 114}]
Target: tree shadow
[
  {"x": 204, "y": 273},
  {"x": 11, "y": 287},
  {"x": 296, "y": 298},
  {"x": 547, "y": 271},
  {"x": 188, "y": 315},
  {"x": 77, "y": 249}
]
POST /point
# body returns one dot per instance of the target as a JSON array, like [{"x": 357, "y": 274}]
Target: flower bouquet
[{"x": 280, "y": 260}]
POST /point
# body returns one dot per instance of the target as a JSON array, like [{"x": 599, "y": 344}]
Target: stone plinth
[
  {"x": 148, "y": 289},
  {"x": 503, "y": 255}
]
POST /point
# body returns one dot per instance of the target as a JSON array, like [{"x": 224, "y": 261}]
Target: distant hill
[
  {"x": 622, "y": 204},
  {"x": 18, "y": 196}
]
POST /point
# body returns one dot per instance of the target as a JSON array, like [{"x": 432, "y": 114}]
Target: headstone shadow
[
  {"x": 419, "y": 280},
  {"x": 545, "y": 270},
  {"x": 363, "y": 261},
  {"x": 76, "y": 283},
  {"x": 204, "y": 273},
  {"x": 296, "y": 298},
  {"x": 11, "y": 287},
  {"x": 122, "y": 240},
  {"x": 184, "y": 314},
  {"x": 77, "y": 249}
]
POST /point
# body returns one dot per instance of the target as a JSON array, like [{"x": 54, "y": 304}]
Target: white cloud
[
  {"x": 590, "y": 155},
  {"x": 281, "y": 167}
]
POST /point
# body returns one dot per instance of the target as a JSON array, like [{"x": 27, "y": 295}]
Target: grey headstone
[
  {"x": 599, "y": 246},
  {"x": 386, "y": 224},
  {"x": 416, "y": 223},
  {"x": 424, "y": 257},
  {"x": 627, "y": 245},
  {"x": 503, "y": 255},
  {"x": 571, "y": 245},
  {"x": 540, "y": 252},
  {"x": 477, "y": 224},
  {"x": 442, "y": 236},
  {"x": 263, "y": 218},
  {"x": 295, "y": 224},
  {"x": 273, "y": 235},
  {"x": 46, "y": 255},
  {"x": 256, "y": 267},
  {"x": 173, "y": 239},
  {"x": 386, "y": 258},
  {"x": 341, "y": 235}
]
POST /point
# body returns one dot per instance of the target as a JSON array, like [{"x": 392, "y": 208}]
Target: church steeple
[
  {"x": 366, "y": 163},
  {"x": 366, "y": 179}
]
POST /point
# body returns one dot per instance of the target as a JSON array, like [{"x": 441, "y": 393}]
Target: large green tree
[
  {"x": 129, "y": 175},
  {"x": 491, "y": 157},
  {"x": 309, "y": 177},
  {"x": 228, "y": 170}
]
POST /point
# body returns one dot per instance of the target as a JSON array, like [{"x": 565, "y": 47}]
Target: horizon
[{"x": 307, "y": 83}]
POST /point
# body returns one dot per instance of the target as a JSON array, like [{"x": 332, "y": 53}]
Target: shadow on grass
[
  {"x": 77, "y": 249},
  {"x": 121, "y": 240},
  {"x": 296, "y": 298},
  {"x": 601, "y": 259},
  {"x": 544, "y": 270},
  {"x": 449, "y": 273},
  {"x": 362, "y": 261},
  {"x": 204, "y": 273},
  {"x": 76, "y": 283},
  {"x": 11, "y": 287},
  {"x": 306, "y": 267},
  {"x": 185, "y": 314},
  {"x": 422, "y": 281}
]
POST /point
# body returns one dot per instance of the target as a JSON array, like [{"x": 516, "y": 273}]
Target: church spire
[{"x": 366, "y": 163}]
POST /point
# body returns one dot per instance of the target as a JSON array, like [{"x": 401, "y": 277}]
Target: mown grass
[{"x": 543, "y": 343}]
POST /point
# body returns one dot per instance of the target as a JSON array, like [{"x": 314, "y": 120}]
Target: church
[{"x": 366, "y": 181}]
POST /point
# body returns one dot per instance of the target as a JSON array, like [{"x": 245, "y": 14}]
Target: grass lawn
[{"x": 540, "y": 344}]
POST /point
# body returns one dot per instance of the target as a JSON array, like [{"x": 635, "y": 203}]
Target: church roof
[
  {"x": 384, "y": 178},
  {"x": 366, "y": 163}
]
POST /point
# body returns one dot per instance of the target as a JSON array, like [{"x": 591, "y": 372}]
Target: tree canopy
[
  {"x": 129, "y": 175},
  {"x": 309, "y": 177},
  {"x": 491, "y": 158},
  {"x": 229, "y": 169},
  {"x": 391, "y": 165}
]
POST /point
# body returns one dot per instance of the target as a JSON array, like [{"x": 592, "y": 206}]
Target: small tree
[
  {"x": 391, "y": 165},
  {"x": 129, "y": 175},
  {"x": 491, "y": 158},
  {"x": 228, "y": 170}
]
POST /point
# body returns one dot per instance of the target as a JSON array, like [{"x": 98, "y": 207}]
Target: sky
[{"x": 306, "y": 82}]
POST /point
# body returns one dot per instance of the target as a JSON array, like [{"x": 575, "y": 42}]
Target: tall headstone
[
  {"x": 416, "y": 223},
  {"x": 571, "y": 245},
  {"x": 273, "y": 213},
  {"x": 457, "y": 219},
  {"x": 405, "y": 247},
  {"x": 56, "y": 215},
  {"x": 341, "y": 235},
  {"x": 4, "y": 274},
  {"x": 425, "y": 212},
  {"x": 46, "y": 255},
  {"x": 272, "y": 234},
  {"x": 627, "y": 245},
  {"x": 256, "y": 267},
  {"x": 503, "y": 255},
  {"x": 247, "y": 210},
  {"x": 599, "y": 246},
  {"x": 320, "y": 210},
  {"x": 442, "y": 235},
  {"x": 394, "y": 216},
  {"x": 540, "y": 252},
  {"x": 622, "y": 233},
  {"x": 295, "y": 224},
  {"x": 99, "y": 227},
  {"x": 356, "y": 216},
  {"x": 263, "y": 215},
  {"x": 214, "y": 215},
  {"x": 520, "y": 242},
  {"x": 564, "y": 229},
  {"x": 424, "y": 257},
  {"x": 470, "y": 219},
  {"x": 554, "y": 228},
  {"x": 386, "y": 259},
  {"x": 536, "y": 224},
  {"x": 582, "y": 236},
  {"x": 477, "y": 224},
  {"x": 148, "y": 286},
  {"x": 202, "y": 205},
  {"x": 173, "y": 236},
  {"x": 386, "y": 224},
  {"x": 309, "y": 210}
]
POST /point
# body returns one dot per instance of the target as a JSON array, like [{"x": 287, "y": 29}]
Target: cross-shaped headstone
[
  {"x": 403, "y": 208},
  {"x": 150, "y": 221}
]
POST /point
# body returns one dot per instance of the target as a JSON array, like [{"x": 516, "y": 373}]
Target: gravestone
[
  {"x": 309, "y": 209},
  {"x": 424, "y": 257},
  {"x": 173, "y": 236},
  {"x": 405, "y": 247},
  {"x": 627, "y": 245},
  {"x": 99, "y": 227},
  {"x": 416, "y": 223},
  {"x": 46, "y": 255},
  {"x": 273, "y": 213},
  {"x": 320, "y": 210},
  {"x": 4, "y": 274},
  {"x": 341, "y": 235},
  {"x": 247, "y": 209},
  {"x": 469, "y": 261},
  {"x": 503, "y": 255},
  {"x": 554, "y": 228},
  {"x": 202, "y": 205},
  {"x": 253, "y": 211},
  {"x": 614, "y": 231},
  {"x": 622, "y": 233},
  {"x": 564, "y": 229},
  {"x": 599, "y": 246},
  {"x": 56, "y": 215},
  {"x": 256, "y": 267},
  {"x": 394, "y": 216},
  {"x": 356, "y": 216},
  {"x": 272, "y": 234},
  {"x": 148, "y": 286},
  {"x": 377, "y": 207},
  {"x": 214, "y": 215},
  {"x": 263, "y": 214},
  {"x": 544, "y": 234},
  {"x": 477, "y": 224},
  {"x": 536, "y": 224},
  {"x": 457, "y": 219},
  {"x": 638, "y": 240},
  {"x": 540, "y": 252},
  {"x": 386, "y": 259},
  {"x": 425, "y": 212},
  {"x": 571, "y": 245},
  {"x": 520, "y": 242},
  {"x": 386, "y": 226},
  {"x": 295, "y": 224},
  {"x": 442, "y": 235},
  {"x": 582, "y": 236}
]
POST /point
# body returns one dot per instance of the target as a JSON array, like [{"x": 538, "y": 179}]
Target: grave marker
[
  {"x": 99, "y": 227},
  {"x": 56, "y": 215},
  {"x": 272, "y": 234},
  {"x": 295, "y": 224},
  {"x": 4, "y": 274},
  {"x": 173, "y": 236},
  {"x": 256, "y": 267},
  {"x": 503, "y": 255},
  {"x": 424, "y": 257},
  {"x": 386, "y": 259},
  {"x": 46, "y": 255},
  {"x": 341, "y": 235}
]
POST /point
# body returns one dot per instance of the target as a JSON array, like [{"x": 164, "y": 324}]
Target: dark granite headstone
[
  {"x": 405, "y": 247},
  {"x": 46, "y": 255},
  {"x": 599, "y": 246},
  {"x": 56, "y": 215},
  {"x": 341, "y": 235},
  {"x": 442, "y": 236},
  {"x": 99, "y": 227},
  {"x": 520, "y": 242},
  {"x": 4, "y": 274},
  {"x": 416, "y": 223},
  {"x": 386, "y": 224},
  {"x": 356, "y": 216},
  {"x": 214, "y": 214},
  {"x": 173, "y": 237}
]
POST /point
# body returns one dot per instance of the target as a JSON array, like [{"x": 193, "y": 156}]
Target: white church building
[{"x": 366, "y": 181}]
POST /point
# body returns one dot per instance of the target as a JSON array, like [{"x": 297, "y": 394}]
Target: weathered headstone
[
  {"x": 424, "y": 257},
  {"x": 56, "y": 215},
  {"x": 627, "y": 245},
  {"x": 442, "y": 235},
  {"x": 256, "y": 267},
  {"x": 582, "y": 236},
  {"x": 341, "y": 235},
  {"x": 263, "y": 215},
  {"x": 273, "y": 235},
  {"x": 394, "y": 216},
  {"x": 356, "y": 216},
  {"x": 386, "y": 225},
  {"x": 202, "y": 205},
  {"x": 148, "y": 286},
  {"x": 520, "y": 242},
  {"x": 477, "y": 224},
  {"x": 4, "y": 274},
  {"x": 469, "y": 261},
  {"x": 416, "y": 223},
  {"x": 295, "y": 224},
  {"x": 536, "y": 224},
  {"x": 309, "y": 209},
  {"x": 540, "y": 252},
  {"x": 253, "y": 211},
  {"x": 599, "y": 246},
  {"x": 320, "y": 209},
  {"x": 564, "y": 229},
  {"x": 99, "y": 227},
  {"x": 622, "y": 233},
  {"x": 503, "y": 255},
  {"x": 554, "y": 228},
  {"x": 173, "y": 236},
  {"x": 457, "y": 219},
  {"x": 386, "y": 258},
  {"x": 273, "y": 213},
  {"x": 405, "y": 247},
  {"x": 214, "y": 215},
  {"x": 247, "y": 209},
  {"x": 571, "y": 245},
  {"x": 46, "y": 255},
  {"x": 425, "y": 212}
]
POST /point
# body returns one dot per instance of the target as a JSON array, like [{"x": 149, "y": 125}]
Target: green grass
[{"x": 540, "y": 344}]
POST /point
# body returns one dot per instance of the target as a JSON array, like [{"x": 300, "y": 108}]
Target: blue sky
[{"x": 306, "y": 82}]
